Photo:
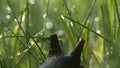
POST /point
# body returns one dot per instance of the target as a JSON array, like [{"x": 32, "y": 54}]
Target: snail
[{"x": 56, "y": 58}]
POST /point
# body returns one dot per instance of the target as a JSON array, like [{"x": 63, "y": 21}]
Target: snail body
[{"x": 56, "y": 58}]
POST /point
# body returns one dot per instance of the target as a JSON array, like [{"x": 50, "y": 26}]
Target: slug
[{"x": 56, "y": 58}]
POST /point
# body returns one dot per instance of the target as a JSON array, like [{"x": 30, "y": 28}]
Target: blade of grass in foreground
[
  {"x": 27, "y": 50},
  {"x": 71, "y": 29},
  {"x": 89, "y": 11},
  {"x": 67, "y": 30},
  {"x": 110, "y": 50},
  {"x": 6, "y": 61},
  {"x": 3, "y": 63},
  {"x": 37, "y": 45},
  {"x": 89, "y": 29},
  {"x": 18, "y": 22},
  {"x": 117, "y": 11}
]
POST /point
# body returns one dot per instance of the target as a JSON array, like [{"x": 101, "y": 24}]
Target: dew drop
[
  {"x": 8, "y": 9},
  {"x": 60, "y": 32},
  {"x": 96, "y": 19},
  {"x": 1, "y": 35},
  {"x": 49, "y": 24},
  {"x": 18, "y": 54},
  {"x": 98, "y": 31},
  {"x": 8, "y": 16},
  {"x": 32, "y": 2},
  {"x": 44, "y": 15},
  {"x": 62, "y": 17}
]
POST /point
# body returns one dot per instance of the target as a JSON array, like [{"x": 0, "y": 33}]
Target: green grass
[{"x": 26, "y": 25}]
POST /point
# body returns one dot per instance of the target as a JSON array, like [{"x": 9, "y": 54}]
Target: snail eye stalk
[{"x": 54, "y": 46}]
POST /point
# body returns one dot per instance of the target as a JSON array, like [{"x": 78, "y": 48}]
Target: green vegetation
[{"x": 25, "y": 27}]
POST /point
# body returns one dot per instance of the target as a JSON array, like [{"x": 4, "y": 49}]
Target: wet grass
[{"x": 25, "y": 27}]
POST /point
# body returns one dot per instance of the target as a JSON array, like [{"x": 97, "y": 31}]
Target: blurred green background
[{"x": 26, "y": 25}]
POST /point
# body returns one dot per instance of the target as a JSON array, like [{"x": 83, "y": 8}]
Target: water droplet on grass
[
  {"x": 1, "y": 35},
  {"x": 8, "y": 16},
  {"x": 62, "y": 17},
  {"x": 60, "y": 32},
  {"x": 98, "y": 31},
  {"x": 96, "y": 19},
  {"x": 8, "y": 9},
  {"x": 44, "y": 15},
  {"x": 49, "y": 24},
  {"x": 32, "y": 2}
]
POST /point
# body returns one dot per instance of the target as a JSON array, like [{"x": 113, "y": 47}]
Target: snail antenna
[
  {"x": 76, "y": 53},
  {"x": 54, "y": 46}
]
